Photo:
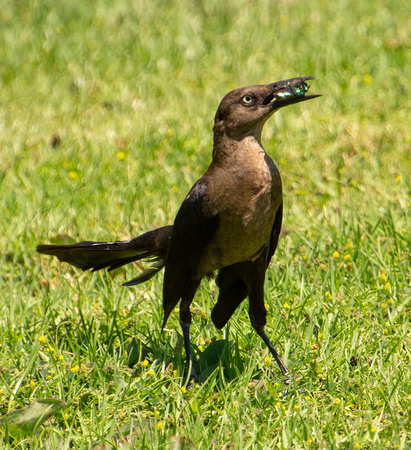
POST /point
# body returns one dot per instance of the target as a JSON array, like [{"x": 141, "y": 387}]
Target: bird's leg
[
  {"x": 258, "y": 316},
  {"x": 192, "y": 375},
  {"x": 273, "y": 351},
  {"x": 185, "y": 322}
]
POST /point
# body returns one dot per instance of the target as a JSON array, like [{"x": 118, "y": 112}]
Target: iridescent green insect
[{"x": 297, "y": 90}]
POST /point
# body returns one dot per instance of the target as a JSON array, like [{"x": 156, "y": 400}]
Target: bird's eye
[{"x": 247, "y": 99}]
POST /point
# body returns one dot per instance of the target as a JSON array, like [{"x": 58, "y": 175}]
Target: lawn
[{"x": 106, "y": 115}]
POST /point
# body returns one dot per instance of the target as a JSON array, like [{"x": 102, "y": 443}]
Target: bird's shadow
[{"x": 220, "y": 354}]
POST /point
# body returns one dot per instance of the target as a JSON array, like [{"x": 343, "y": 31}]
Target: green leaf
[{"x": 27, "y": 420}]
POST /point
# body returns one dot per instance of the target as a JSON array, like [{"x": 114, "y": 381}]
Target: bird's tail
[{"x": 152, "y": 245}]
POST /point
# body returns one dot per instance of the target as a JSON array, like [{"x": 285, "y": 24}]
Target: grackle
[{"x": 229, "y": 222}]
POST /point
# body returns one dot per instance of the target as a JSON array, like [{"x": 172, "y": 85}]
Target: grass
[{"x": 105, "y": 123}]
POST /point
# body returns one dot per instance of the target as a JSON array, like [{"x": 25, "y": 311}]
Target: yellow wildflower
[{"x": 367, "y": 78}]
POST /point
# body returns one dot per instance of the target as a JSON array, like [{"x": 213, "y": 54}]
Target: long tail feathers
[{"x": 99, "y": 255}]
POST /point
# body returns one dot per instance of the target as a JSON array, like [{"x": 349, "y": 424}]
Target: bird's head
[{"x": 244, "y": 111}]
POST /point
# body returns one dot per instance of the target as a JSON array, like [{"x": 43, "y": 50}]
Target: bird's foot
[
  {"x": 192, "y": 379},
  {"x": 289, "y": 381}
]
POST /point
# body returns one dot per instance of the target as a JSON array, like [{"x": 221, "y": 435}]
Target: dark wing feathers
[
  {"x": 192, "y": 232},
  {"x": 275, "y": 233}
]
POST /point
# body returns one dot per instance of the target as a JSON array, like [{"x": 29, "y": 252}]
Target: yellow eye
[{"x": 248, "y": 99}]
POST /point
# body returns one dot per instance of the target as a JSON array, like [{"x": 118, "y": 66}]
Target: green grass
[{"x": 130, "y": 89}]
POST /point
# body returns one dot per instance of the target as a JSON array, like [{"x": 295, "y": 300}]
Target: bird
[{"x": 228, "y": 225}]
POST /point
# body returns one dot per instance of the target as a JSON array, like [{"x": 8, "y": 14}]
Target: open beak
[{"x": 288, "y": 92}]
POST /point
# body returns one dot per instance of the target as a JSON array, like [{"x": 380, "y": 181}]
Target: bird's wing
[
  {"x": 275, "y": 233},
  {"x": 193, "y": 230}
]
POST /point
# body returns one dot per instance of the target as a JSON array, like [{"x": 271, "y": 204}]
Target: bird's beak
[{"x": 288, "y": 92}]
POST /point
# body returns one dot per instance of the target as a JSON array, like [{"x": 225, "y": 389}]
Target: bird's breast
[{"x": 246, "y": 205}]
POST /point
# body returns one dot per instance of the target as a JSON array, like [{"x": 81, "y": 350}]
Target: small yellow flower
[
  {"x": 398, "y": 179},
  {"x": 75, "y": 368},
  {"x": 33, "y": 384},
  {"x": 328, "y": 295},
  {"x": 373, "y": 430},
  {"x": 183, "y": 390},
  {"x": 42, "y": 340},
  {"x": 404, "y": 230},
  {"x": 286, "y": 306},
  {"x": 348, "y": 256},
  {"x": 174, "y": 188},
  {"x": 320, "y": 336},
  {"x": 175, "y": 373},
  {"x": 307, "y": 397},
  {"x": 383, "y": 305},
  {"x": 200, "y": 347},
  {"x": 390, "y": 301},
  {"x": 349, "y": 266},
  {"x": 278, "y": 405},
  {"x": 61, "y": 358},
  {"x": 157, "y": 413},
  {"x": 150, "y": 372},
  {"x": 337, "y": 401},
  {"x": 73, "y": 175},
  {"x": 368, "y": 78},
  {"x": 310, "y": 441},
  {"x": 121, "y": 155},
  {"x": 296, "y": 407},
  {"x": 203, "y": 315},
  {"x": 160, "y": 425},
  {"x": 267, "y": 360},
  {"x": 145, "y": 363},
  {"x": 356, "y": 445},
  {"x": 336, "y": 255},
  {"x": 387, "y": 286},
  {"x": 177, "y": 310},
  {"x": 383, "y": 276}
]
